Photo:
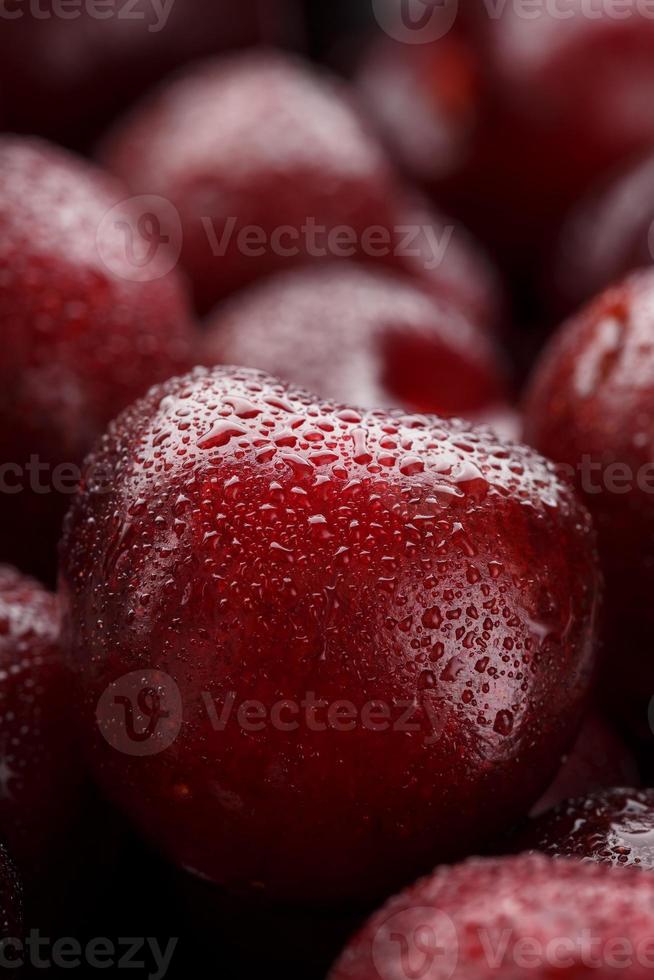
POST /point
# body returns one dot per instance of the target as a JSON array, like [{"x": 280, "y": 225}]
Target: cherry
[
  {"x": 267, "y": 164},
  {"x": 265, "y": 590},
  {"x": 86, "y": 326},
  {"x": 44, "y": 799},
  {"x": 510, "y": 918},
  {"x": 607, "y": 235},
  {"x": 590, "y": 405},
  {"x": 599, "y": 758},
  {"x": 360, "y": 337},
  {"x": 54, "y": 69},
  {"x": 614, "y": 826}
]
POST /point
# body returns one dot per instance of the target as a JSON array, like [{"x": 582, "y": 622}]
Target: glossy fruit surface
[
  {"x": 87, "y": 325},
  {"x": 362, "y": 338},
  {"x": 591, "y": 406},
  {"x": 267, "y": 163},
  {"x": 251, "y": 544},
  {"x": 510, "y": 918},
  {"x": 42, "y": 783},
  {"x": 615, "y": 826}
]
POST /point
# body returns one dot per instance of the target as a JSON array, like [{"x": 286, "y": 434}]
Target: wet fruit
[
  {"x": 266, "y": 589},
  {"x": 510, "y": 918},
  {"x": 267, "y": 163},
  {"x": 591, "y": 406},
  {"x": 362, "y": 338},
  {"x": 90, "y": 317}
]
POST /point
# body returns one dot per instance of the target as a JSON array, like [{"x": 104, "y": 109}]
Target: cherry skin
[
  {"x": 507, "y": 919},
  {"x": 360, "y": 337},
  {"x": 606, "y": 236},
  {"x": 43, "y": 790},
  {"x": 614, "y": 826},
  {"x": 330, "y": 569},
  {"x": 598, "y": 759},
  {"x": 264, "y": 159},
  {"x": 54, "y": 70},
  {"x": 590, "y": 405},
  {"x": 85, "y": 331}
]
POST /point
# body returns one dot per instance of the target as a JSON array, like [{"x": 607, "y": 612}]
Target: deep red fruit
[
  {"x": 598, "y": 759},
  {"x": 362, "y": 338},
  {"x": 81, "y": 336},
  {"x": 254, "y": 543},
  {"x": 65, "y": 76},
  {"x": 42, "y": 786},
  {"x": 439, "y": 251},
  {"x": 510, "y": 918},
  {"x": 267, "y": 163},
  {"x": 591, "y": 406},
  {"x": 607, "y": 236},
  {"x": 615, "y": 827}
]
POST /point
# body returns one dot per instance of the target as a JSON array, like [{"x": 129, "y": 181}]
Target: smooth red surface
[
  {"x": 64, "y": 75},
  {"x": 615, "y": 826},
  {"x": 510, "y": 918},
  {"x": 256, "y": 141},
  {"x": 590, "y": 405},
  {"x": 599, "y": 758},
  {"x": 250, "y": 539},
  {"x": 80, "y": 339},
  {"x": 361, "y": 337}
]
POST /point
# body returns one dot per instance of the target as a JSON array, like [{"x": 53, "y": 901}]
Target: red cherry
[
  {"x": 251, "y": 543},
  {"x": 615, "y": 826},
  {"x": 591, "y": 406},
  {"x": 606, "y": 236},
  {"x": 43, "y": 793},
  {"x": 65, "y": 76},
  {"x": 86, "y": 327},
  {"x": 362, "y": 338},
  {"x": 599, "y": 758},
  {"x": 510, "y": 918},
  {"x": 264, "y": 159}
]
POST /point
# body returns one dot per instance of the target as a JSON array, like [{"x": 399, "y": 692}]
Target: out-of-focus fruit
[
  {"x": 590, "y": 406},
  {"x": 510, "y": 918},
  {"x": 268, "y": 164},
  {"x": 361, "y": 338},
  {"x": 315, "y": 653},
  {"x": 90, "y": 316}
]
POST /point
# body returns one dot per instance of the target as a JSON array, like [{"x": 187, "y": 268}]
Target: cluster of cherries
[{"x": 313, "y": 634}]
